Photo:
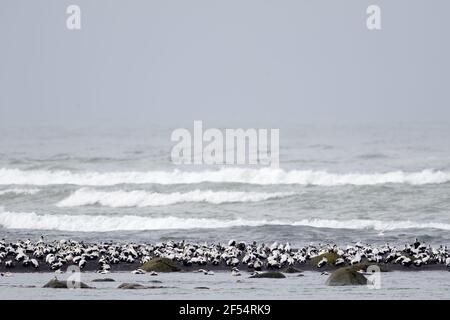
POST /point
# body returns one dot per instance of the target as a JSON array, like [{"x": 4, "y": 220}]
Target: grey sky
[{"x": 162, "y": 61}]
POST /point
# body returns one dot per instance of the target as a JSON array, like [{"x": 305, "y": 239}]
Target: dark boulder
[
  {"x": 346, "y": 277},
  {"x": 161, "y": 265}
]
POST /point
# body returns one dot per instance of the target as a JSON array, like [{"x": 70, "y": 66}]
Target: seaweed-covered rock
[
  {"x": 160, "y": 265},
  {"x": 58, "y": 284},
  {"x": 269, "y": 275},
  {"x": 331, "y": 258},
  {"x": 347, "y": 276}
]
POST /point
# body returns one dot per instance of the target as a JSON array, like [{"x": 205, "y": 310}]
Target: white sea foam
[
  {"x": 139, "y": 198},
  {"x": 264, "y": 176},
  {"x": 103, "y": 223},
  {"x": 18, "y": 191}
]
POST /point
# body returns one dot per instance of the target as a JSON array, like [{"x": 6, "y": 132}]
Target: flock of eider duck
[{"x": 105, "y": 257}]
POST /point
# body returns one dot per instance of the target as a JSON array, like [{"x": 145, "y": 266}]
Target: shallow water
[{"x": 393, "y": 285}]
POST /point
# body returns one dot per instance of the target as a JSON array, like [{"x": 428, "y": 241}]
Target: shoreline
[
  {"x": 301, "y": 268},
  {"x": 35, "y": 257}
]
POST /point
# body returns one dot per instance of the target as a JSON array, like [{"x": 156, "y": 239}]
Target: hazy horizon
[{"x": 235, "y": 62}]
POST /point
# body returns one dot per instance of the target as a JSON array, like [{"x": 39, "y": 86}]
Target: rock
[
  {"x": 331, "y": 258},
  {"x": 291, "y": 269},
  {"x": 269, "y": 275},
  {"x": 103, "y": 280},
  {"x": 131, "y": 286},
  {"x": 346, "y": 277},
  {"x": 137, "y": 286},
  {"x": 57, "y": 284},
  {"x": 160, "y": 265}
]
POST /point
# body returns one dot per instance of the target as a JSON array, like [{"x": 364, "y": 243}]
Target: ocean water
[
  {"x": 221, "y": 285},
  {"x": 336, "y": 183}
]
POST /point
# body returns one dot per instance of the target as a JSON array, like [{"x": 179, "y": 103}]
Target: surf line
[
  {"x": 191, "y": 310},
  {"x": 231, "y": 147}
]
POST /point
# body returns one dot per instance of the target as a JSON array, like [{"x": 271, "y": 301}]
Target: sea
[{"x": 336, "y": 183}]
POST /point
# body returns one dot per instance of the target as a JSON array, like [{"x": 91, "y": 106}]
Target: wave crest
[
  {"x": 102, "y": 223},
  {"x": 264, "y": 176},
  {"x": 18, "y": 191},
  {"x": 139, "y": 198}
]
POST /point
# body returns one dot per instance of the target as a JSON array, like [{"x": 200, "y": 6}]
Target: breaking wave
[
  {"x": 19, "y": 191},
  {"x": 102, "y": 223},
  {"x": 264, "y": 176},
  {"x": 138, "y": 198}
]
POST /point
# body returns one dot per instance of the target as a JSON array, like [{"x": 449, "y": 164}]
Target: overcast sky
[{"x": 277, "y": 60}]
